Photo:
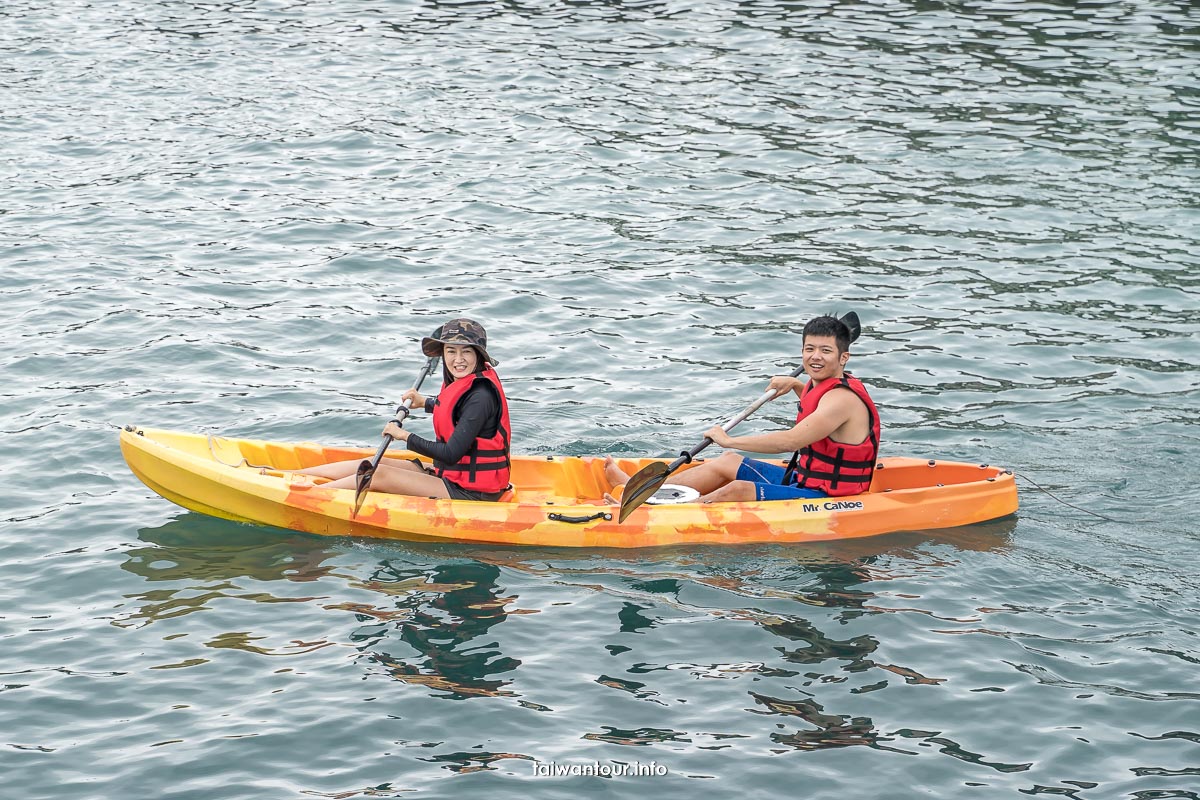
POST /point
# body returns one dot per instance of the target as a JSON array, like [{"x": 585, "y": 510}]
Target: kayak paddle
[
  {"x": 366, "y": 470},
  {"x": 650, "y": 478},
  {"x": 646, "y": 481}
]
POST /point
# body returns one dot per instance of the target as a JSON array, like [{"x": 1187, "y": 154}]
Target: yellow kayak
[{"x": 556, "y": 500}]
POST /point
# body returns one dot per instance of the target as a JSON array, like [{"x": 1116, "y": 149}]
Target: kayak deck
[{"x": 557, "y": 500}]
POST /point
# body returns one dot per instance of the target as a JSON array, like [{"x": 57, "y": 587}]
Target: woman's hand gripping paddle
[
  {"x": 366, "y": 470},
  {"x": 650, "y": 478}
]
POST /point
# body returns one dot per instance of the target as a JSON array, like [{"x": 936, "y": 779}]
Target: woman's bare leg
[
  {"x": 402, "y": 478},
  {"x": 343, "y": 469},
  {"x": 333, "y": 470}
]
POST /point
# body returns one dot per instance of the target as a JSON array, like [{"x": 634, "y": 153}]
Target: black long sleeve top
[{"x": 477, "y": 414}]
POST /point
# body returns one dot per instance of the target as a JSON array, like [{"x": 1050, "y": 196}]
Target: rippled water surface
[{"x": 240, "y": 217}]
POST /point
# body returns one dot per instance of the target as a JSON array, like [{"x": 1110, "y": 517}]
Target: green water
[{"x": 240, "y": 218}]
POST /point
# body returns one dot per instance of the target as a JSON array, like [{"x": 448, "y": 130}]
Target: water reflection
[
  {"x": 842, "y": 593},
  {"x": 845, "y": 591},
  {"x": 207, "y": 557},
  {"x": 831, "y": 730},
  {"x": 196, "y": 547},
  {"x": 609, "y": 11},
  {"x": 477, "y": 761},
  {"x": 428, "y": 627},
  {"x": 739, "y": 568},
  {"x": 632, "y": 619},
  {"x": 429, "y": 620},
  {"x": 448, "y": 607},
  {"x": 639, "y": 737},
  {"x": 430, "y": 617},
  {"x": 801, "y": 596}
]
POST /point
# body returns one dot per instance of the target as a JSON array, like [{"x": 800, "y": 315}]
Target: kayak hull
[{"x": 558, "y": 501}]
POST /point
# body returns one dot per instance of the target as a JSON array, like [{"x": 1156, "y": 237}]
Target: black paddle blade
[
  {"x": 850, "y": 320},
  {"x": 366, "y": 471},
  {"x": 642, "y": 486}
]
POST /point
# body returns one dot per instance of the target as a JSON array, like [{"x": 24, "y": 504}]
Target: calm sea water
[{"x": 240, "y": 218}]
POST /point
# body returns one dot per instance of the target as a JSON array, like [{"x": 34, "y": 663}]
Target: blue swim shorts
[{"x": 768, "y": 482}]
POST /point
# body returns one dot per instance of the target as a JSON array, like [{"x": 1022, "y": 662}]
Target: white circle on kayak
[{"x": 671, "y": 493}]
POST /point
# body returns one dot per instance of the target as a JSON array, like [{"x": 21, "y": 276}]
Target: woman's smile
[{"x": 461, "y": 360}]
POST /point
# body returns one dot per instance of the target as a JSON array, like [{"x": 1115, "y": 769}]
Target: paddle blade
[
  {"x": 638, "y": 489},
  {"x": 366, "y": 470},
  {"x": 850, "y": 320}
]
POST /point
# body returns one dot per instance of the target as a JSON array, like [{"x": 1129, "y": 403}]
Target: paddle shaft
[
  {"x": 646, "y": 481},
  {"x": 687, "y": 456},
  {"x": 402, "y": 414}
]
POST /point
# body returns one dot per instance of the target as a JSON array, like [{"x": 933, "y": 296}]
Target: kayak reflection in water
[
  {"x": 835, "y": 440},
  {"x": 470, "y": 424},
  {"x": 438, "y": 646}
]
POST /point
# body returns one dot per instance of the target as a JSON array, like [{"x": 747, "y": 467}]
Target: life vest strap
[
  {"x": 834, "y": 477},
  {"x": 847, "y": 463},
  {"x": 789, "y": 474},
  {"x": 489, "y": 466}
]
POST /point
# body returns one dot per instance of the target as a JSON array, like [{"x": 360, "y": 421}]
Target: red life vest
[
  {"x": 485, "y": 466},
  {"x": 836, "y": 468}
]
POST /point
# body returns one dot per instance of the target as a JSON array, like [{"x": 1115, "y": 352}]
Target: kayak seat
[{"x": 509, "y": 495}]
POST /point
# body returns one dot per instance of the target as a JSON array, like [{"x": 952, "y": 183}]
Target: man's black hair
[{"x": 844, "y": 330}]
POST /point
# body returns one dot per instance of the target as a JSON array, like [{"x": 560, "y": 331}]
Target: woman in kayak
[{"x": 470, "y": 424}]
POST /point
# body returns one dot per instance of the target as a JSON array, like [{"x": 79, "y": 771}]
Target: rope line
[{"x": 1064, "y": 502}]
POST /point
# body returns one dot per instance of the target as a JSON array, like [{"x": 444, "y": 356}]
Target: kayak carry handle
[{"x": 556, "y": 517}]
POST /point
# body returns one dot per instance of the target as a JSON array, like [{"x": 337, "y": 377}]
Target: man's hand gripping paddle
[{"x": 649, "y": 479}]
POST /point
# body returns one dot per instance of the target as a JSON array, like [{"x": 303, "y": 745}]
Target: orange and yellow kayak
[{"x": 556, "y": 500}]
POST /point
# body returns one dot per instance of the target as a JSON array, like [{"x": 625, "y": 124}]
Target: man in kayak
[{"x": 835, "y": 440}]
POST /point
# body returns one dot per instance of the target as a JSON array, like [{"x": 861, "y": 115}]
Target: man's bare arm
[{"x": 833, "y": 412}]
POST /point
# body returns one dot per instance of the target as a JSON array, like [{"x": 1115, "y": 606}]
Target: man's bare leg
[
  {"x": 735, "y": 492},
  {"x": 704, "y": 478},
  {"x": 710, "y": 476},
  {"x": 614, "y": 474},
  {"x": 716, "y": 480}
]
